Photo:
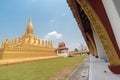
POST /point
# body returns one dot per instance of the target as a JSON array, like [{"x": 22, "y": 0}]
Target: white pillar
[
  {"x": 114, "y": 18},
  {"x": 100, "y": 50}
]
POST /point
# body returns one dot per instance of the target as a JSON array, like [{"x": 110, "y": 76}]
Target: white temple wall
[
  {"x": 112, "y": 8},
  {"x": 117, "y": 5},
  {"x": 100, "y": 50}
]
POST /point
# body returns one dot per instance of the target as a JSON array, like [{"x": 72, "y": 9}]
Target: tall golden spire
[{"x": 29, "y": 28}]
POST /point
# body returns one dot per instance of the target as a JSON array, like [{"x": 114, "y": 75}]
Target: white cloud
[
  {"x": 52, "y": 20},
  {"x": 63, "y": 14},
  {"x": 53, "y": 36}
]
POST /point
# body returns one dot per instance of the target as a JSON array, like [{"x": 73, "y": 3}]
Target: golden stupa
[{"x": 27, "y": 46}]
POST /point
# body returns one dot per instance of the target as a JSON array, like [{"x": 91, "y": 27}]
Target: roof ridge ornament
[{"x": 30, "y": 28}]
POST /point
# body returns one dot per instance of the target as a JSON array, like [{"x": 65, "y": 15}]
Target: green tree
[{"x": 76, "y": 49}]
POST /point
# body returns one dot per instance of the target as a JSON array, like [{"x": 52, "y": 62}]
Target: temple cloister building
[
  {"x": 99, "y": 22},
  {"x": 26, "y": 46},
  {"x": 62, "y": 50}
]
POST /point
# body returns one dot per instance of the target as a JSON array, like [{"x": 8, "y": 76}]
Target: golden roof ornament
[{"x": 29, "y": 28}]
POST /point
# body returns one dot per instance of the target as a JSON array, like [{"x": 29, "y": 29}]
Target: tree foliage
[{"x": 76, "y": 49}]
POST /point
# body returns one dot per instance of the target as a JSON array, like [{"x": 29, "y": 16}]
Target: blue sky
[{"x": 52, "y": 19}]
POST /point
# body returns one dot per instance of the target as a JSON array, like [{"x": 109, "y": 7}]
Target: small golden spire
[
  {"x": 29, "y": 28},
  {"x": 30, "y": 21}
]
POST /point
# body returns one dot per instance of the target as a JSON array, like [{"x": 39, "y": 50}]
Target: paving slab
[
  {"x": 99, "y": 70},
  {"x": 81, "y": 72}
]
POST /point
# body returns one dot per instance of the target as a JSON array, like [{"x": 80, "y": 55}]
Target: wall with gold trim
[{"x": 101, "y": 32}]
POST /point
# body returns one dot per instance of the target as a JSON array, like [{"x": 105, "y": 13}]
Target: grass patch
[{"x": 50, "y": 69}]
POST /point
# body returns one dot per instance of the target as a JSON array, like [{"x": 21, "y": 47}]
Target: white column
[
  {"x": 101, "y": 52},
  {"x": 114, "y": 18}
]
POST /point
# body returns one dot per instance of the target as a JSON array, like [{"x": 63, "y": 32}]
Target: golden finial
[
  {"x": 30, "y": 26},
  {"x": 30, "y": 21}
]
